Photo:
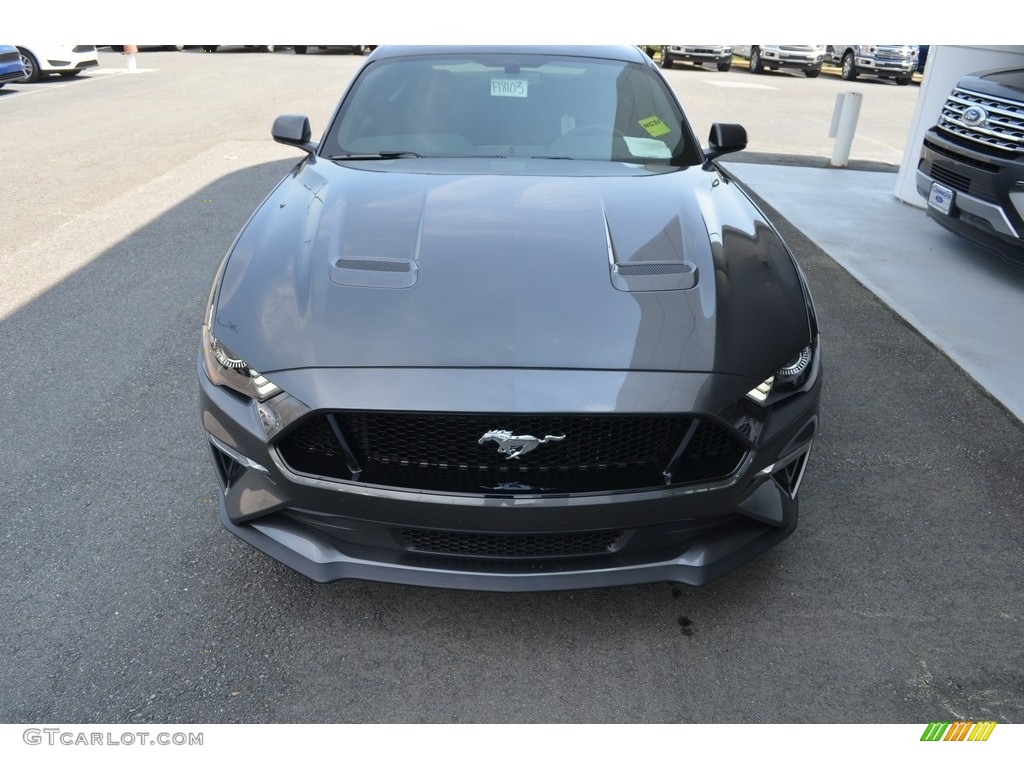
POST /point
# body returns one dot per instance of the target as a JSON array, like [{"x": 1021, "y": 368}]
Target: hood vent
[
  {"x": 644, "y": 273},
  {"x": 654, "y": 275},
  {"x": 374, "y": 273}
]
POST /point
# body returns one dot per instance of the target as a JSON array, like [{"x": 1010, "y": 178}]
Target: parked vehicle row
[
  {"x": 31, "y": 63},
  {"x": 361, "y": 49},
  {"x": 898, "y": 62}
]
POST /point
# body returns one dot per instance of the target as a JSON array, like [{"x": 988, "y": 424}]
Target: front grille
[
  {"x": 892, "y": 55},
  {"x": 510, "y": 546},
  {"x": 1002, "y": 130},
  {"x": 442, "y": 452}
]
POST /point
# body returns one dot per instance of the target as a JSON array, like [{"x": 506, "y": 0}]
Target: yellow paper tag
[{"x": 654, "y": 126}]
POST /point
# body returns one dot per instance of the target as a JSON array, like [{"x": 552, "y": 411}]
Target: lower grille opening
[
  {"x": 962, "y": 158},
  {"x": 951, "y": 178},
  {"x": 510, "y": 546},
  {"x": 482, "y": 565}
]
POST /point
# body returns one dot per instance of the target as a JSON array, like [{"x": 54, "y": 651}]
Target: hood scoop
[
  {"x": 374, "y": 273},
  {"x": 648, "y": 270},
  {"x": 654, "y": 275}
]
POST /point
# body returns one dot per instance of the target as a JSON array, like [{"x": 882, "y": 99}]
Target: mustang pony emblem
[{"x": 514, "y": 446}]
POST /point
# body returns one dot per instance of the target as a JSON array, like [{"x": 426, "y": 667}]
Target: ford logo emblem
[{"x": 974, "y": 116}]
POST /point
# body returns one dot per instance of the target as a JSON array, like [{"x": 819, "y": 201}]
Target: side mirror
[
  {"x": 293, "y": 130},
  {"x": 725, "y": 138}
]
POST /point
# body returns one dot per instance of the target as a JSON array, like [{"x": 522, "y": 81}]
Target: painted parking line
[
  {"x": 118, "y": 71},
  {"x": 27, "y": 89}
]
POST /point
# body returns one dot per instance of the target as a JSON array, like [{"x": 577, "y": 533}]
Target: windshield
[{"x": 511, "y": 105}]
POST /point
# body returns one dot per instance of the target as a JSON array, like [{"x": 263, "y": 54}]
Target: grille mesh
[
  {"x": 374, "y": 265},
  {"x": 497, "y": 545},
  {"x": 639, "y": 268},
  {"x": 441, "y": 452}
]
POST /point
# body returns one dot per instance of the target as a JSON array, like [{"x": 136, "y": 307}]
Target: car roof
[{"x": 617, "y": 52}]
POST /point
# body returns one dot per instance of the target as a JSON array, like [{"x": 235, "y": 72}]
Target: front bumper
[
  {"x": 701, "y": 57},
  {"x": 791, "y": 61},
  {"x": 872, "y": 66},
  {"x": 329, "y": 530},
  {"x": 988, "y": 207},
  {"x": 55, "y": 60}
]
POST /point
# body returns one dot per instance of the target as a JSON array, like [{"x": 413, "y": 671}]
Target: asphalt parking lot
[{"x": 897, "y": 600}]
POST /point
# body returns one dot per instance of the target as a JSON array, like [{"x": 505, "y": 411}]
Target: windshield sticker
[
  {"x": 654, "y": 126},
  {"x": 507, "y": 87},
  {"x": 642, "y": 147}
]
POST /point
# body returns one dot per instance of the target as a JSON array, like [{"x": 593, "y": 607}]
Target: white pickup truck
[
  {"x": 886, "y": 61},
  {"x": 807, "y": 58},
  {"x": 719, "y": 55}
]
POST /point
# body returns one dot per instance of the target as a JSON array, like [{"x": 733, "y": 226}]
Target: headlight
[
  {"x": 228, "y": 370},
  {"x": 797, "y": 375}
]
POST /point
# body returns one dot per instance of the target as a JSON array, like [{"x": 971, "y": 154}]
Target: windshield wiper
[{"x": 387, "y": 154}]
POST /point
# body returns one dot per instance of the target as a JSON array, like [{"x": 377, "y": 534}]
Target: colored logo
[{"x": 959, "y": 731}]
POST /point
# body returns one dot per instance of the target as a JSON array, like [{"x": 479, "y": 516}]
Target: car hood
[
  {"x": 1005, "y": 83},
  {"x": 539, "y": 264}
]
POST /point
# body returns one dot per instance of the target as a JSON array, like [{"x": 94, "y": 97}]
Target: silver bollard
[{"x": 844, "y": 126}]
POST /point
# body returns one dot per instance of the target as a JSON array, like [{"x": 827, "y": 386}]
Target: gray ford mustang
[{"x": 507, "y": 326}]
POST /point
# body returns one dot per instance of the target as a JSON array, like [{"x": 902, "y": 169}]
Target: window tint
[{"x": 513, "y": 106}]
